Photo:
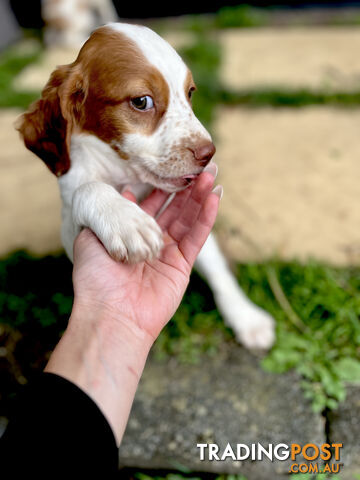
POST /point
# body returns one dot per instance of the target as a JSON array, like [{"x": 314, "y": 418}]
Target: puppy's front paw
[{"x": 134, "y": 237}]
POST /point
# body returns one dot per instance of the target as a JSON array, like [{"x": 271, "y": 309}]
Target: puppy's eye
[
  {"x": 190, "y": 92},
  {"x": 142, "y": 103}
]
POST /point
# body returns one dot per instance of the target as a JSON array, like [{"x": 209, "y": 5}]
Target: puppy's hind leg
[{"x": 253, "y": 327}]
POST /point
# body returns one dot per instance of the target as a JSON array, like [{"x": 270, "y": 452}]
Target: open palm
[{"x": 147, "y": 294}]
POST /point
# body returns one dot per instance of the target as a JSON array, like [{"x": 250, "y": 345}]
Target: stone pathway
[
  {"x": 227, "y": 399},
  {"x": 290, "y": 183},
  {"x": 344, "y": 427},
  {"x": 311, "y": 57},
  {"x": 35, "y": 76},
  {"x": 29, "y": 198}
]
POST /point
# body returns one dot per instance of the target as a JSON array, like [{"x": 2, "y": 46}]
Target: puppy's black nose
[{"x": 204, "y": 153}]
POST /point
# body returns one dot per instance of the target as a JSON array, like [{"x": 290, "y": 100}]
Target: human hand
[
  {"x": 120, "y": 309},
  {"x": 146, "y": 295}
]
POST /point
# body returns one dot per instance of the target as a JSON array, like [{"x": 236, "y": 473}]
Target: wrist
[{"x": 104, "y": 355}]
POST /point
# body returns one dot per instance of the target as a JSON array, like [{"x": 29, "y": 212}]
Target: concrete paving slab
[
  {"x": 226, "y": 399},
  {"x": 309, "y": 57},
  {"x": 344, "y": 427},
  {"x": 34, "y": 76},
  {"x": 29, "y": 196},
  {"x": 290, "y": 183}
]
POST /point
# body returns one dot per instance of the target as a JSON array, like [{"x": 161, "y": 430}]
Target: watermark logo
[{"x": 308, "y": 458}]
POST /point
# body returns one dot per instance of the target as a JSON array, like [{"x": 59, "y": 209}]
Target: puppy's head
[{"x": 131, "y": 89}]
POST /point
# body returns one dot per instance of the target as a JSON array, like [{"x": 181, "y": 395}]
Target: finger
[
  {"x": 191, "y": 244},
  {"x": 86, "y": 241},
  {"x": 173, "y": 210},
  {"x": 129, "y": 195},
  {"x": 190, "y": 211},
  {"x": 154, "y": 202}
]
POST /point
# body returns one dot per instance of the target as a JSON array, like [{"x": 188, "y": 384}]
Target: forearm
[{"x": 104, "y": 356}]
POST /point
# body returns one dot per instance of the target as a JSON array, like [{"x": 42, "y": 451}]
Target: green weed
[
  {"x": 240, "y": 16},
  {"x": 309, "y": 476},
  {"x": 12, "y": 61},
  {"x": 286, "y": 97},
  {"x": 324, "y": 345},
  {"x": 204, "y": 58}
]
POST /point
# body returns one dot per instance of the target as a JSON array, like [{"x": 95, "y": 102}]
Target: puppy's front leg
[
  {"x": 252, "y": 326},
  {"x": 127, "y": 232}
]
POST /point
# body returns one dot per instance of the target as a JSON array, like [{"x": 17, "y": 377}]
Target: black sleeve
[{"x": 56, "y": 431}]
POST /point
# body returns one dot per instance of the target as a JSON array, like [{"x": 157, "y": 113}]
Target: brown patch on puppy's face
[
  {"x": 117, "y": 72},
  {"x": 94, "y": 95}
]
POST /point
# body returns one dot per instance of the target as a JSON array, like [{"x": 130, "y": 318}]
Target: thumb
[{"x": 86, "y": 245}]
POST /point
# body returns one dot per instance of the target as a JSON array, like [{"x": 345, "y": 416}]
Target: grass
[
  {"x": 309, "y": 476},
  {"x": 292, "y": 98},
  {"x": 204, "y": 59},
  {"x": 35, "y": 300},
  {"x": 12, "y": 61},
  {"x": 239, "y": 16},
  {"x": 247, "y": 16},
  {"x": 323, "y": 345}
]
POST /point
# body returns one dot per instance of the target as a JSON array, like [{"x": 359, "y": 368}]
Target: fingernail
[
  {"x": 211, "y": 168},
  {"x": 218, "y": 190},
  {"x": 127, "y": 188}
]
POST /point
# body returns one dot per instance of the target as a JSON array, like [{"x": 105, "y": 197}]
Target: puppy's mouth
[
  {"x": 190, "y": 178},
  {"x": 173, "y": 183}
]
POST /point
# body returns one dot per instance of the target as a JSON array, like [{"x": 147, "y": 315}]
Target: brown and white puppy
[{"x": 121, "y": 114}]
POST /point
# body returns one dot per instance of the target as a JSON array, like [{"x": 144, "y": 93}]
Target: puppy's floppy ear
[{"x": 46, "y": 127}]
